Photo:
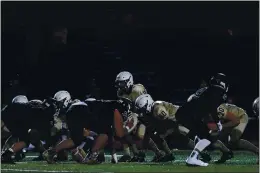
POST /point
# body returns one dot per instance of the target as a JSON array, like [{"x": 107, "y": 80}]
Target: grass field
[{"x": 242, "y": 162}]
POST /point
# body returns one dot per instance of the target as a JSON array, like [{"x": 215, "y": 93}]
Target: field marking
[
  {"x": 38, "y": 156},
  {"x": 109, "y": 156},
  {"x": 31, "y": 170}
]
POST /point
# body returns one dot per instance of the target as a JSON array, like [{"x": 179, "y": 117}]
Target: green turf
[{"x": 242, "y": 162}]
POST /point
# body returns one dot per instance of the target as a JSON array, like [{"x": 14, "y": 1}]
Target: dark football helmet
[{"x": 219, "y": 80}]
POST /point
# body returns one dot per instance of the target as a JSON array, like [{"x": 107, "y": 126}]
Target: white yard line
[
  {"x": 109, "y": 156},
  {"x": 30, "y": 170}
]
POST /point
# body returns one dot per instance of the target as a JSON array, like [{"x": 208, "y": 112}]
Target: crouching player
[
  {"x": 163, "y": 122},
  {"x": 234, "y": 121},
  {"x": 28, "y": 121},
  {"x": 85, "y": 120}
]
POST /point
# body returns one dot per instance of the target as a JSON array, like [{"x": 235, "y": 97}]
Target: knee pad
[{"x": 141, "y": 131}]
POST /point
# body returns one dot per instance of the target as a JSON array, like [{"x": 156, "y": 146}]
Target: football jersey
[
  {"x": 164, "y": 110},
  {"x": 225, "y": 109},
  {"x": 203, "y": 107},
  {"x": 136, "y": 91}
]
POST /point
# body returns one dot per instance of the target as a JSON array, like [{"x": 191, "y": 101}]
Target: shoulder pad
[
  {"x": 138, "y": 87},
  {"x": 158, "y": 102},
  {"x": 79, "y": 103}
]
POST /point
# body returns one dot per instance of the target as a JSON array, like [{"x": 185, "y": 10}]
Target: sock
[
  {"x": 244, "y": 144},
  {"x": 126, "y": 149},
  {"x": 166, "y": 148},
  {"x": 114, "y": 156},
  {"x": 154, "y": 147},
  {"x": 191, "y": 144},
  {"x": 199, "y": 147},
  {"x": 219, "y": 145},
  {"x": 134, "y": 149},
  {"x": 129, "y": 140},
  {"x": 202, "y": 144}
]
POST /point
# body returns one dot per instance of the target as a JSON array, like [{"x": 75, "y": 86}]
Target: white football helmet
[
  {"x": 64, "y": 97},
  {"x": 256, "y": 106},
  {"x": 124, "y": 80},
  {"x": 20, "y": 99},
  {"x": 143, "y": 103}
]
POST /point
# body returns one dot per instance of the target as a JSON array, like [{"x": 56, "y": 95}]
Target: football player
[
  {"x": 226, "y": 152},
  {"x": 62, "y": 101},
  {"x": 126, "y": 89},
  {"x": 29, "y": 127},
  {"x": 200, "y": 116},
  {"x": 163, "y": 120},
  {"x": 234, "y": 121}
]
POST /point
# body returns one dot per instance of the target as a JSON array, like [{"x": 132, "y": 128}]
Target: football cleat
[
  {"x": 167, "y": 158},
  {"x": 92, "y": 159},
  {"x": 158, "y": 157},
  {"x": 50, "y": 156},
  {"x": 7, "y": 157},
  {"x": 193, "y": 161},
  {"x": 125, "y": 158},
  {"x": 140, "y": 157},
  {"x": 225, "y": 156},
  {"x": 205, "y": 157},
  {"x": 78, "y": 155}
]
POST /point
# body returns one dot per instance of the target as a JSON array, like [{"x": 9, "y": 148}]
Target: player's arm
[{"x": 231, "y": 119}]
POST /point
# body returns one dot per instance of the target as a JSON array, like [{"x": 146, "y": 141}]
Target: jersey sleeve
[{"x": 159, "y": 111}]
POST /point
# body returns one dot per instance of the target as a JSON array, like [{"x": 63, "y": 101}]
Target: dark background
[{"x": 169, "y": 47}]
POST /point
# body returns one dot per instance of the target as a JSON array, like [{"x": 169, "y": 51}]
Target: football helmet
[
  {"x": 219, "y": 80},
  {"x": 143, "y": 103},
  {"x": 63, "y": 97},
  {"x": 20, "y": 99},
  {"x": 256, "y": 106},
  {"x": 124, "y": 80}
]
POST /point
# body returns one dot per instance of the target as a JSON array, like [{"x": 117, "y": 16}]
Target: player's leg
[
  {"x": 149, "y": 142},
  {"x": 203, "y": 132},
  {"x": 8, "y": 155},
  {"x": 236, "y": 142},
  {"x": 140, "y": 134}
]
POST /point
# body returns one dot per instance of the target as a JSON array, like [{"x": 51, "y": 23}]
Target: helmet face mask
[
  {"x": 122, "y": 85},
  {"x": 220, "y": 81},
  {"x": 143, "y": 104},
  {"x": 63, "y": 99},
  {"x": 142, "y": 110},
  {"x": 124, "y": 81}
]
